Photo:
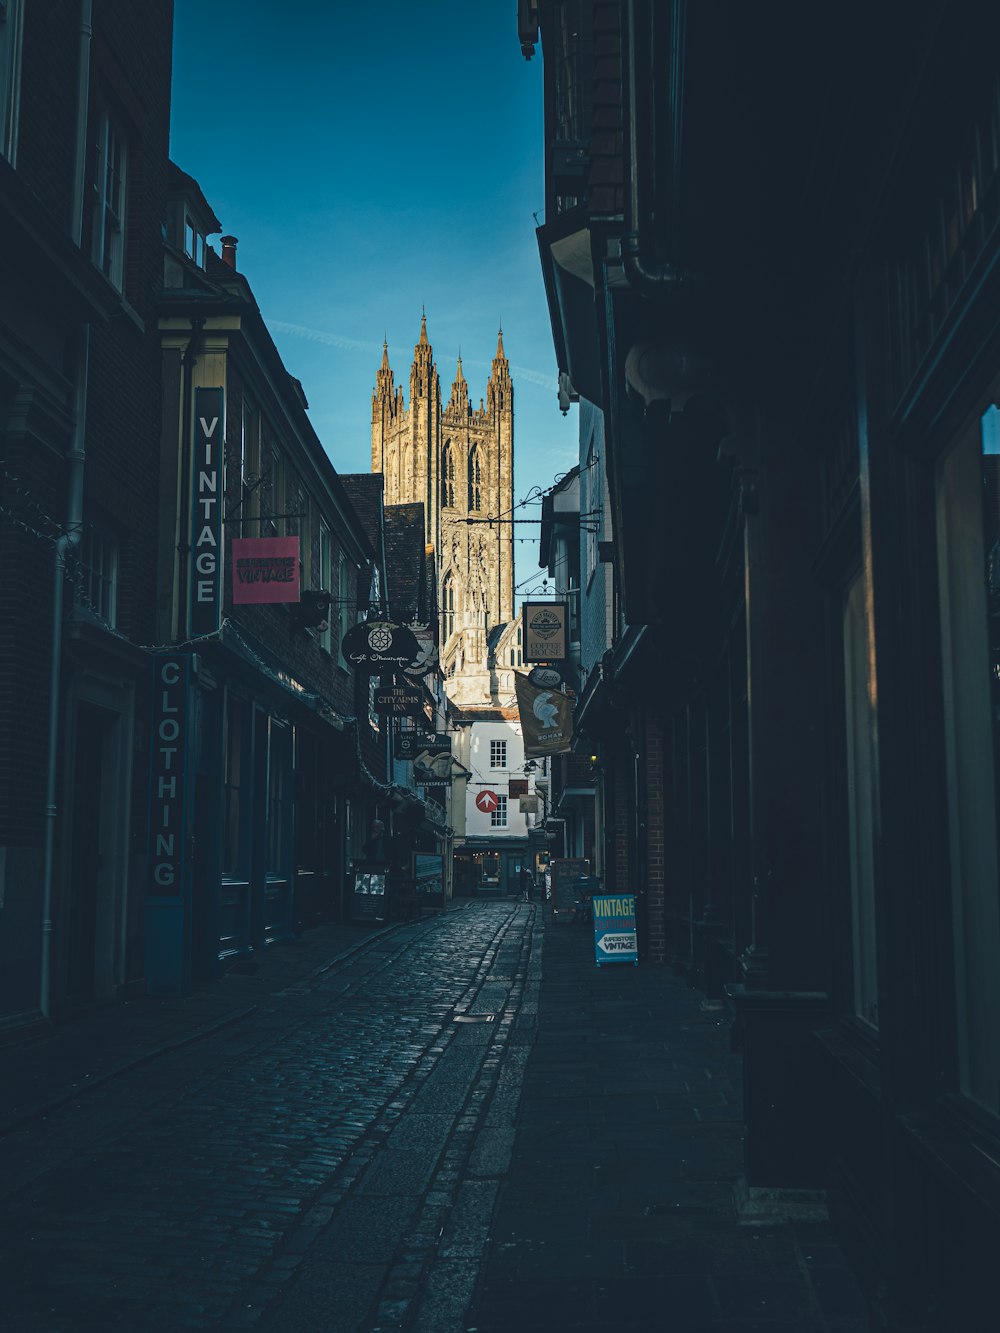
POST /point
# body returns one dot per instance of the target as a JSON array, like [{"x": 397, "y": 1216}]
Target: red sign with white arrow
[{"x": 487, "y": 801}]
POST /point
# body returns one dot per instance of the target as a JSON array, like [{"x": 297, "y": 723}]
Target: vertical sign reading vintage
[
  {"x": 168, "y": 774},
  {"x": 206, "y": 511}
]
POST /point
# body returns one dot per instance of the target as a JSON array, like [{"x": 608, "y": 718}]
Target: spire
[
  {"x": 385, "y": 354},
  {"x": 460, "y": 390},
  {"x": 384, "y": 389},
  {"x": 423, "y": 328}
]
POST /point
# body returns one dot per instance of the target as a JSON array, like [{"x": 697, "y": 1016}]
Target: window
[
  {"x": 860, "y": 803},
  {"x": 968, "y": 537},
  {"x": 345, "y": 605},
  {"x": 498, "y": 817},
  {"x": 475, "y": 482},
  {"x": 96, "y": 574},
  {"x": 249, "y": 468},
  {"x": 11, "y": 22},
  {"x": 194, "y": 242},
  {"x": 232, "y": 778},
  {"x": 273, "y": 502},
  {"x": 448, "y": 606},
  {"x": 498, "y": 754},
  {"x": 325, "y": 576},
  {"x": 297, "y": 525},
  {"x": 448, "y": 477},
  {"x": 110, "y": 192}
]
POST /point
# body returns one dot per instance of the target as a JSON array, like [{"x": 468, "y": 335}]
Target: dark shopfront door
[{"x": 89, "y": 864}]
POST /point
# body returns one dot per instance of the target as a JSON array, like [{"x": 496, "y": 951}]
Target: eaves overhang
[{"x": 564, "y": 248}]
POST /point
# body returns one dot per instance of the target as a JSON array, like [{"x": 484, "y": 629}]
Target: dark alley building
[{"x": 771, "y": 252}]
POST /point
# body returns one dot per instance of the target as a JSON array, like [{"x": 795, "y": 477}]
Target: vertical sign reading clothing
[
  {"x": 167, "y": 906},
  {"x": 614, "y": 928},
  {"x": 206, "y": 511}
]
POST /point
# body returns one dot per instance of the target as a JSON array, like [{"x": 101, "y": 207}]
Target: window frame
[{"x": 108, "y": 245}]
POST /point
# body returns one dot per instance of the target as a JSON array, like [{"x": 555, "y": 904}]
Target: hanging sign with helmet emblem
[
  {"x": 378, "y": 647},
  {"x": 544, "y": 631}
]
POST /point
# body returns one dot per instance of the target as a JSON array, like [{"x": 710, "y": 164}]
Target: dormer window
[{"x": 194, "y": 242}]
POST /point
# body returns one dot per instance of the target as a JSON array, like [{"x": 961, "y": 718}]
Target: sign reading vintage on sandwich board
[
  {"x": 614, "y": 928},
  {"x": 546, "y": 718},
  {"x": 265, "y": 569},
  {"x": 378, "y": 647},
  {"x": 544, "y": 631}
]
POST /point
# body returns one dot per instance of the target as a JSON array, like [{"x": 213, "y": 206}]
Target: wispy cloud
[
  {"x": 346, "y": 344},
  {"x": 324, "y": 336}
]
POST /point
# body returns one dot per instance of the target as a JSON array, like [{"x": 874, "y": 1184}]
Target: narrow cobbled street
[
  {"x": 330, "y": 1129},
  {"x": 361, "y": 1149}
]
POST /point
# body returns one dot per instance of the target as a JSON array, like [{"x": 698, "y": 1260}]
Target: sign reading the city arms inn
[
  {"x": 544, "y": 631},
  {"x": 206, "y": 511}
]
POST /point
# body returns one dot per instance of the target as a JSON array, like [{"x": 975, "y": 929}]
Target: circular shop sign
[
  {"x": 487, "y": 801},
  {"x": 379, "y": 647}
]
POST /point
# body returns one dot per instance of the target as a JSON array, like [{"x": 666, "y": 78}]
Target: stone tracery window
[
  {"x": 475, "y": 481},
  {"x": 448, "y": 477},
  {"x": 448, "y": 606}
]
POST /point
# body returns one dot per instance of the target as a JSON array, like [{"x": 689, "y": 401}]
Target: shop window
[
  {"x": 860, "y": 797},
  {"x": 968, "y": 536},
  {"x": 233, "y": 860},
  {"x": 110, "y": 196},
  {"x": 11, "y": 25},
  {"x": 498, "y": 817},
  {"x": 277, "y": 813}
]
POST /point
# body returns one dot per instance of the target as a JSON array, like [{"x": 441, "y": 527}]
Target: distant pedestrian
[{"x": 527, "y": 884}]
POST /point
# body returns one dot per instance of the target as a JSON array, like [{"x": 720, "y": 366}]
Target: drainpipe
[
  {"x": 82, "y": 116},
  {"x": 65, "y": 545},
  {"x": 663, "y": 279}
]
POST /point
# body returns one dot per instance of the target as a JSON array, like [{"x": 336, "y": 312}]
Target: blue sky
[{"x": 369, "y": 171}]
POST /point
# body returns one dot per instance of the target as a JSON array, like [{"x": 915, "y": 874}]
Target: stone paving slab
[{"x": 617, "y": 1210}]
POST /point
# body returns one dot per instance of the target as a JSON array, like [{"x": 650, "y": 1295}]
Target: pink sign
[{"x": 265, "y": 569}]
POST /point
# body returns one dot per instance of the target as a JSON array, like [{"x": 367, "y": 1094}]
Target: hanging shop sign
[
  {"x": 206, "y": 512},
  {"x": 393, "y": 698},
  {"x": 436, "y": 770},
  {"x": 487, "y": 801},
  {"x": 545, "y": 677},
  {"x": 426, "y": 658},
  {"x": 615, "y": 939},
  {"x": 378, "y": 647},
  {"x": 408, "y": 744},
  {"x": 517, "y": 787},
  {"x": 265, "y": 569},
  {"x": 546, "y": 718},
  {"x": 528, "y": 805},
  {"x": 544, "y": 631}
]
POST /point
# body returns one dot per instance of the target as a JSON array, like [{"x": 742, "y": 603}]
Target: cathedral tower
[{"x": 459, "y": 461}]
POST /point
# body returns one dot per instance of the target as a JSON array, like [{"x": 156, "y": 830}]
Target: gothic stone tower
[{"x": 459, "y": 461}]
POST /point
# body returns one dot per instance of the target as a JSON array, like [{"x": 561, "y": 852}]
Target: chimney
[{"x": 229, "y": 244}]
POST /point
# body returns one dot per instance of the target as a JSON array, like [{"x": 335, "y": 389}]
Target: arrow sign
[
  {"x": 618, "y": 943},
  {"x": 487, "y": 801}
]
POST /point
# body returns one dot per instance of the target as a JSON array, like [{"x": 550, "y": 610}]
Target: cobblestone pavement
[
  {"x": 295, "y": 1170},
  {"x": 456, "y": 1125}
]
